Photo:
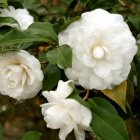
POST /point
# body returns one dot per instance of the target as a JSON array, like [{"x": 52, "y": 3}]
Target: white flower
[
  {"x": 66, "y": 114},
  {"x": 20, "y": 75},
  {"x": 103, "y": 48},
  {"x": 22, "y": 16}
]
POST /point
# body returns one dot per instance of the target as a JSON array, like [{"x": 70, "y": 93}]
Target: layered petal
[
  {"x": 64, "y": 113},
  {"x": 63, "y": 90},
  {"x": 103, "y": 49},
  {"x": 20, "y": 75}
]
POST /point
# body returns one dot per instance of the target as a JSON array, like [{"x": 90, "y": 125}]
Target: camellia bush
[{"x": 71, "y": 67}]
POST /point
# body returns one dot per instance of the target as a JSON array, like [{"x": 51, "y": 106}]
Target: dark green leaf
[
  {"x": 105, "y": 105},
  {"x": 42, "y": 57},
  {"x": 31, "y": 135},
  {"x": 62, "y": 56},
  {"x": 16, "y": 3},
  {"x": 44, "y": 29},
  {"x": 107, "y": 125},
  {"x": 135, "y": 21},
  {"x": 51, "y": 76},
  {"x": 17, "y": 36},
  {"x": 67, "y": 2},
  {"x": 7, "y": 20}
]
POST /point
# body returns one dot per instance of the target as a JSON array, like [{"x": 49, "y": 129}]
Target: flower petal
[
  {"x": 79, "y": 133},
  {"x": 64, "y": 132}
]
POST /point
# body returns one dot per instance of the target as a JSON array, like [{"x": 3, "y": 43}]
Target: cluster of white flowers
[
  {"x": 64, "y": 113},
  {"x": 103, "y": 48},
  {"x": 20, "y": 75},
  {"x": 22, "y": 16}
]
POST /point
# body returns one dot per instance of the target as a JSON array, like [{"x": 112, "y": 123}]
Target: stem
[{"x": 86, "y": 96}]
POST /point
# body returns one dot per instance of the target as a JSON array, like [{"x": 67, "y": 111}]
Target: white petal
[
  {"x": 102, "y": 69},
  {"x": 80, "y": 114},
  {"x": 79, "y": 133},
  {"x": 55, "y": 119},
  {"x": 20, "y": 75},
  {"x": 50, "y": 96},
  {"x": 63, "y": 89},
  {"x": 64, "y": 132}
]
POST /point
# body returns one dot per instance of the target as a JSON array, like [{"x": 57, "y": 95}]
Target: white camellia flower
[
  {"x": 22, "y": 16},
  {"x": 103, "y": 48},
  {"x": 20, "y": 75},
  {"x": 66, "y": 114}
]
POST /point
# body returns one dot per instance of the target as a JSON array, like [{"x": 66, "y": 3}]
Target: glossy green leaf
[
  {"x": 32, "y": 135},
  {"x": 62, "y": 56},
  {"x": 51, "y": 76},
  {"x": 17, "y": 36},
  {"x": 44, "y": 29},
  {"x": 107, "y": 125},
  {"x": 103, "y": 103}
]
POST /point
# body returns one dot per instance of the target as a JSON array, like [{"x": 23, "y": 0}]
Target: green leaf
[
  {"x": 1, "y": 132},
  {"x": 32, "y": 135},
  {"x": 107, "y": 125},
  {"x": 42, "y": 56},
  {"x": 51, "y": 76},
  {"x": 3, "y": 3},
  {"x": 62, "y": 56},
  {"x": 105, "y": 105},
  {"x": 117, "y": 94},
  {"x": 7, "y": 20},
  {"x": 11, "y": 48},
  {"x": 17, "y": 36},
  {"x": 67, "y": 2},
  {"x": 16, "y": 3},
  {"x": 135, "y": 21},
  {"x": 69, "y": 22},
  {"x": 44, "y": 29}
]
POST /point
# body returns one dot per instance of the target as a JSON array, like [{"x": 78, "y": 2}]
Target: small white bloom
[
  {"x": 20, "y": 75},
  {"x": 66, "y": 114},
  {"x": 22, "y": 16},
  {"x": 103, "y": 48}
]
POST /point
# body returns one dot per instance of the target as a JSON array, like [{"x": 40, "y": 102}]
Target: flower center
[{"x": 98, "y": 52}]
